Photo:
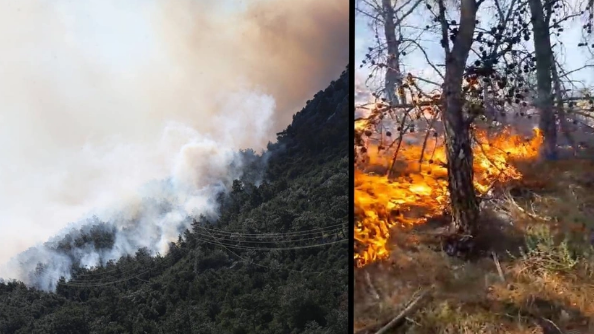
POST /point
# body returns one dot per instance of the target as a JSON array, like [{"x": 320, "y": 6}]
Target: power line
[
  {"x": 90, "y": 284},
  {"x": 310, "y": 231},
  {"x": 221, "y": 241},
  {"x": 328, "y": 229},
  {"x": 335, "y": 231},
  {"x": 216, "y": 242},
  {"x": 278, "y": 248},
  {"x": 264, "y": 266}
]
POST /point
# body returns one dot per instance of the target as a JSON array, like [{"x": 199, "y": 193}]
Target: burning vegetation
[
  {"x": 538, "y": 267},
  {"x": 458, "y": 228},
  {"x": 534, "y": 266},
  {"x": 400, "y": 182}
]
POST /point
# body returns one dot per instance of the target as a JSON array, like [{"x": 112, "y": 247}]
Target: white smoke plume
[{"x": 134, "y": 111}]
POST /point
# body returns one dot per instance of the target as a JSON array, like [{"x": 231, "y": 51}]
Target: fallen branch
[
  {"x": 524, "y": 211},
  {"x": 498, "y": 265},
  {"x": 409, "y": 309},
  {"x": 371, "y": 287},
  {"x": 398, "y": 319}
]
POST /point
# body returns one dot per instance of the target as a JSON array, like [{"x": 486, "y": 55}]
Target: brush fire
[{"x": 412, "y": 188}]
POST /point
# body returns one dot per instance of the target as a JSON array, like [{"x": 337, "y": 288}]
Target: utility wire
[
  {"x": 328, "y": 229},
  {"x": 335, "y": 231},
  {"x": 277, "y": 248},
  {"x": 223, "y": 242},
  {"x": 213, "y": 241},
  {"x": 264, "y": 266},
  {"x": 87, "y": 284},
  {"x": 306, "y": 232}
]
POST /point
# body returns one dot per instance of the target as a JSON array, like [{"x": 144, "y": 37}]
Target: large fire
[{"x": 419, "y": 192}]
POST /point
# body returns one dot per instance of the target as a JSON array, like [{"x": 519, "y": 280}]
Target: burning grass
[
  {"x": 544, "y": 287},
  {"x": 420, "y": 191},
  {"x": 537, "y": 230}
]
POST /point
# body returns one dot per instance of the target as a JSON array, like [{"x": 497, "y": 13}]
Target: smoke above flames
[{"x": 134, "y": 112}]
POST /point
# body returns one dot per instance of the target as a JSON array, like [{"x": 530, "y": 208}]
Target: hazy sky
[
  {"x": 574, "y": 57},
  {"x": 97, "y": 97}
]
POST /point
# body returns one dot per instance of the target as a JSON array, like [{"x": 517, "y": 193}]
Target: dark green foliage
[
  {"x": 99, "y": 235},
  {"x": 202, "y": 287}
]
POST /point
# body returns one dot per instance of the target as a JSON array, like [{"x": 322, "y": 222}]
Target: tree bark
[
  {"x": 393, "y": 79},
  {"x": 544, "y": 65},
  {"x": 464, "y": 204}
]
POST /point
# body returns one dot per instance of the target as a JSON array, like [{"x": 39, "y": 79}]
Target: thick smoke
[{"x": 134, "y": 112}]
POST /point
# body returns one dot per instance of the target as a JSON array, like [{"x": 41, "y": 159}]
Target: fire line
[{"x": 419, "y": 192}]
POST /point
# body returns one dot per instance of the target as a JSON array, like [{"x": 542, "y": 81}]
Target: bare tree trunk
[
  {"x": 393, "y": 80},
  {"x": 464, "y": 204},
  {"x": 544, "y": 65}
]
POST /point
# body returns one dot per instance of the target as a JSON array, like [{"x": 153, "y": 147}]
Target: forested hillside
[{"x": 275, "y": 260}]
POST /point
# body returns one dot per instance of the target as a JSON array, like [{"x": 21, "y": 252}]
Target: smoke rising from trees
[{"x": 109, "y": 107}]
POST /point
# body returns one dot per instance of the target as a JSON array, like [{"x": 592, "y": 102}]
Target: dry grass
[{"x": 547, "y": 286}]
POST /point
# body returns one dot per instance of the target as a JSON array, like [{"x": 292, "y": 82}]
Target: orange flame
[{"x": 421, "y": 193}]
